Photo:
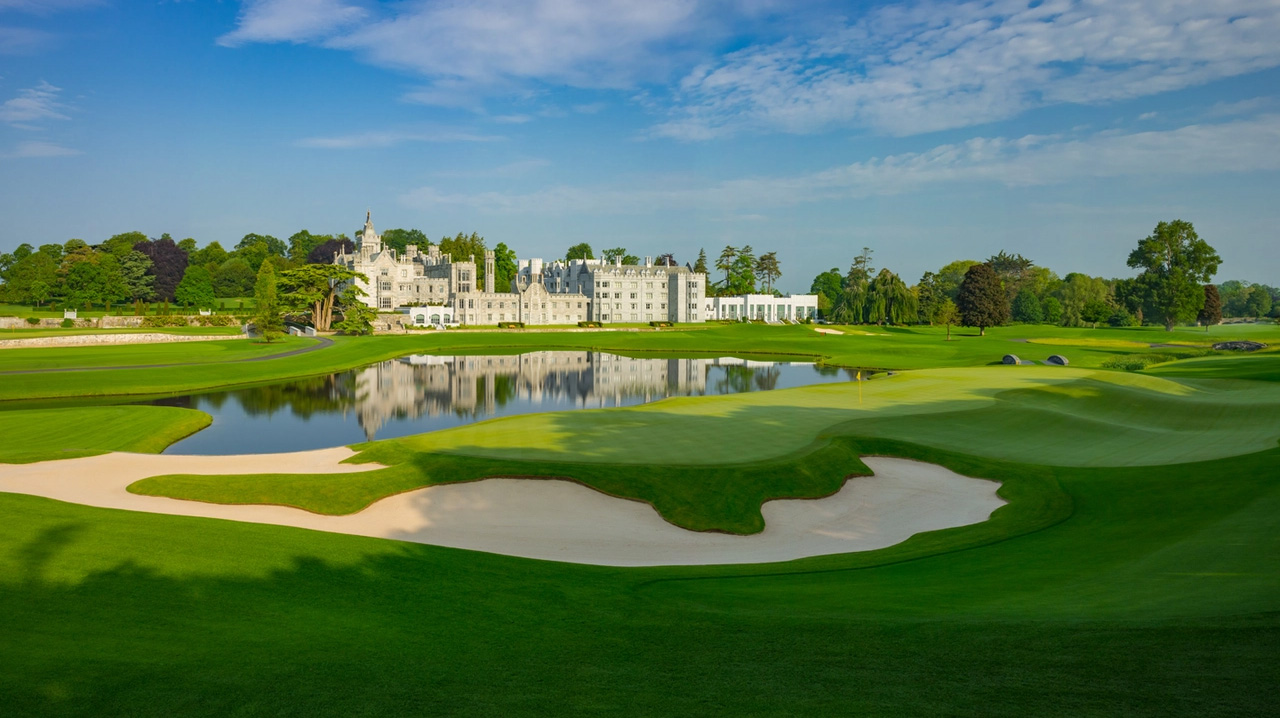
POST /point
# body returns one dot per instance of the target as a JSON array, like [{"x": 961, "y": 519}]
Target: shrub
[
  {"x": 164, "y": 320},
  {"x": 511, "y": 325},
  {"x": 659, "y": 324},
  {"x": 33, "y": 320},
  {"x": 68, "y": 323},
  {"x": 1122, "y": 318},
  {"x": 590, "y": 325},
  {"x": 215, "y": 320}
]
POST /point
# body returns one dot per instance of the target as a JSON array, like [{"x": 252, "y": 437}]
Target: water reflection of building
[{"x": 479, "y": 385}]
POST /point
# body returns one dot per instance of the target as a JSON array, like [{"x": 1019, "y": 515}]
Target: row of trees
[
  {"x": 1174, "y": 263},
  {"x": 132, "y": 267}
]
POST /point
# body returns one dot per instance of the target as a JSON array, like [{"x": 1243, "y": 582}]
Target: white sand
[{"x": 555, "y": 520}]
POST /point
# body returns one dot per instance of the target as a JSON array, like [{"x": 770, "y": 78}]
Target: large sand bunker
[{"x": 546, "y": 519}]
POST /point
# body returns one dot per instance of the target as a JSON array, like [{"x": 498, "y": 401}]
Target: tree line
[
  {"x": 132, "y": 267},
  {"x": 1172, "y": 287}
]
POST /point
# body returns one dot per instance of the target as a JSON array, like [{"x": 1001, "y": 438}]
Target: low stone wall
[
  {"x": 81, "y": 340},
  {"x": 108, "y": 322}
]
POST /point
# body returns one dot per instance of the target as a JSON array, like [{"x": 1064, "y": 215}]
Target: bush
[
  {"x": 68, "y": 323},
  {"x": 511, "y": 325},
  {"x": 33, "y": 320},
  {"x": 590, "y": 325},
  {"x": 1135, "y": 362},
  {"x": 215, "y": 320},
  {"x": 164, "y": 320},
  {"x": 659, "y": 324},
  {"x": 1122, "y": 318}
]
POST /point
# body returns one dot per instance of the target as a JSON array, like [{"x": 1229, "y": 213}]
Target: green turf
[
  {"x": 44, "y": 434},
  {"x": 1135, "y": 570},
  {"x": 213, "y": 351},
  {"x": 1150, "y": 592}
]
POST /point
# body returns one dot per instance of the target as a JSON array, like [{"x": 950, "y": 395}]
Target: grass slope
[
  {"x": 208, "y": 352},
  {"x": 1151, "y": 592},
  {"x": 44, "y": 434}
]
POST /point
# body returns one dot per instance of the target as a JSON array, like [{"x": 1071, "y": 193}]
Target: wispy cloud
[
  {"x": 519, "y": 168},
  {"x": 389, "y": 138},
  {"x": 1242, "y": 146},
  {"x": 45, "y": 6},
  {"x": 42, "y": 149},
  {"x": 487, "y": 45},
  {"x": 33, "y": 105},
  {"x": 22, "y": 40},
  {"x": 292, "y": 20},
  {"x": 928, "y": 65}
]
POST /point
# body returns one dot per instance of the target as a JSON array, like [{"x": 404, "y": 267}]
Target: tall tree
[
  {"x": 266, "y": 316},
  {"x": 700, "y": 266},
  {"x": 1175, "y": 265},
  {"x": 1211, "y": 312},
  {"x": 399, "y": 239},
  {"x": 135, "y": 272},
  {"x": 196, "y": 288},
  {"x": 210, "y": 254},
  {"x": 168, "y": 264},
  {"x": 890, "y": 300},
  {"x": 929, "y": 298},
  {"x": 275, "y": 247},
  {"x": 323, "y": 253},
  {"x": 188, "y": 245},
  {"x": 1052, "y": 310},
  {"x": 768, "y": 269},
  {"x": 952, "y": 275},
  {"x": 582, "y": 250},
  {"x": 314, "y": 288},
  {"x": 1026, "y": 308},
  {"x": 947, "y": 314},
  {"x": 122, "y": 244},
  {"x": 504, "y": 267},
  {"x": 725, "y": 264},
  {"x": 828, "y": 286},
  {"x": 744, "y": 272},
  {"x": 613, "y": 255},
  {"x": 234, "y": 278},
  {"x": 981, "y": 300},
  {"x": 357, "y": 317},
  {"x": 463, "y": 247}
]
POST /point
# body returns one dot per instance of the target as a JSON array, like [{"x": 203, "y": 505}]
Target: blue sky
[{"x": 929, "y": 131}]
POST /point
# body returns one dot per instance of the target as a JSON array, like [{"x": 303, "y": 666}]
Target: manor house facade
[{"x": 438, "y": 290}]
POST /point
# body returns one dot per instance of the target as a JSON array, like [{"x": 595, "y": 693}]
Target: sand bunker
[{"x": 554, "y": 520}]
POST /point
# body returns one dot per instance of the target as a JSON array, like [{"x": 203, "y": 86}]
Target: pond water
[{"x": 421, "y": 393}]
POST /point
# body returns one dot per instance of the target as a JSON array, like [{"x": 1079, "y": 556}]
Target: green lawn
[
  {"x": 210, "y": 352},
  {"x": 1135, "y": 570},
  {"x": 44, "y": 434}
]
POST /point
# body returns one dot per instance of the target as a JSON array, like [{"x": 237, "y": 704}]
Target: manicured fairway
[
  {"x": 210, "y": 352},
  {"x": 43, "y": 434},
  {"x": 1135, "y": 570},
  {"x": 1154, "y": 594}
]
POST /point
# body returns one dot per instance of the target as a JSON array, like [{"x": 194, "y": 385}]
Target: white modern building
[{"x": 767, "y": 307}]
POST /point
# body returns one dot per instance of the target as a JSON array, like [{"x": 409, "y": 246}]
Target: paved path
[
  {"x": 321, "y": 343},
  {"x": 545, "y": 518}
]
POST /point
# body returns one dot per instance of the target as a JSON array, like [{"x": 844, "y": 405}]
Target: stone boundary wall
[
  {"x": 108, "y": 322},
  {"x": 81, "y": 340}
]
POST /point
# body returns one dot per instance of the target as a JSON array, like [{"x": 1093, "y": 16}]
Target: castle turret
[
  {"x": 488, "y": 272},
  {"x": 370, "y": 241}
]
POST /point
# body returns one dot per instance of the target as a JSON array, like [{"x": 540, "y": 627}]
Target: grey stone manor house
[{"x": 436, "y": 289}]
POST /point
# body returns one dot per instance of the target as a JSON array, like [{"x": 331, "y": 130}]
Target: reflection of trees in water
[
  {"x": 735, "y": 380},
  {"x": 766, "y": 378},
  {"x": 303, "y": 397}
]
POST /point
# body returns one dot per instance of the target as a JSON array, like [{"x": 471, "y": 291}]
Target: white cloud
[
  {"x": 33, "y": 105},
  {"x": 292, "y": 20},
  {"x": 1242, "y": 146},
  {"x": 1148, "y": 115},
  {"x": 21, "y": 40},
  {"x": 42, "y": 149},
  {"x": 925, "y": 66},
  {"x": 388, "y": 138}
]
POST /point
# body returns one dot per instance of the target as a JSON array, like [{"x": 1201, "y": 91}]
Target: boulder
[
  {"x": 1058, "y": 359},
  {"x": 1011, "y": 359},
  {"x": 1239, "y": 346}
]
